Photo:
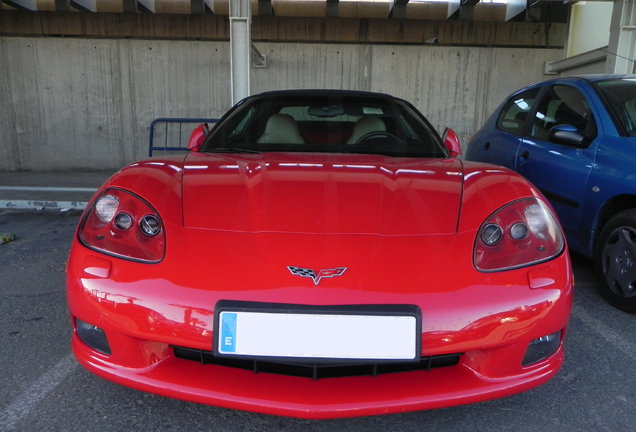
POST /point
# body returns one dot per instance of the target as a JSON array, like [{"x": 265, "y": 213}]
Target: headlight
[
  {"x": 123, "y": 224},
  {"x": 150, "y": 225},
  {"x": 123, "y": 221},
  {"x": 519, "y": 234},
  {"x": 491, "y": 234},
  {"x": 106, "y": 207}
]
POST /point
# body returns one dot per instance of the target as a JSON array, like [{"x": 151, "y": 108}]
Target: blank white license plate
[{"x": 308, "y": 335}]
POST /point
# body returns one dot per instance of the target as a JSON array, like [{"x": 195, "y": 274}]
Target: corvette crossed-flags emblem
[{"x": 309, "y": 273}]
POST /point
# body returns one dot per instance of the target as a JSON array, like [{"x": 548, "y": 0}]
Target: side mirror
[
  {"x": 198, "y": 135},
  {"x": 567, "y": 135},
  {"x": 451, "y": 141}
]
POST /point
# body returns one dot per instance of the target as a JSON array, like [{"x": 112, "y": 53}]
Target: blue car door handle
[{"x": 523, "y": 157}]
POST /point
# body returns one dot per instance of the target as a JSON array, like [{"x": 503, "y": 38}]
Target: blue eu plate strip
[{"x": 228, "y": 332}]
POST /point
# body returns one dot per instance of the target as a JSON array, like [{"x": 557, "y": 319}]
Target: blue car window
[
  {"x": 561, "y": 105},
  {"x": 620, "y": 95},
  {"x": 514, "y": 114}
]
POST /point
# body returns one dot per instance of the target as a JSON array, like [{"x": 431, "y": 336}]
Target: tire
[{"x": 615, "y": 260}]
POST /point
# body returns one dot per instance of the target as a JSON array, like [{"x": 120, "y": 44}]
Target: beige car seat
[
  {"x": 281, "y": 129},
  {"x": 364, "y": 126}
]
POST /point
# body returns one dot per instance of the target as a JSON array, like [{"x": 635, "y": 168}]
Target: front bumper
[{"x": 476, "y": 378}]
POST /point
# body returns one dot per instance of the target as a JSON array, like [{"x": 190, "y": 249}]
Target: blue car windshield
[
  {"x": 620, "y": 95},
  {"x": 325, "y": 123}
]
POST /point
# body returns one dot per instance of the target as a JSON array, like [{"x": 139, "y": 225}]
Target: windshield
[
  {"x": 333, "y": 123},
  {"x": 620, "y": 95}
]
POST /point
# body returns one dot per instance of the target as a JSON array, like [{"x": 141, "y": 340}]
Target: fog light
[
  {"x": 92, "y": 336},
  {"x": 542, "y": 348}
]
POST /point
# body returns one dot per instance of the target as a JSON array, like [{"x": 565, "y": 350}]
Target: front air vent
[{"x": 316, "y": 371}]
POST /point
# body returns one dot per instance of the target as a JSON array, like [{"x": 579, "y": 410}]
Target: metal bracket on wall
[{"x": 258, "y": 60}]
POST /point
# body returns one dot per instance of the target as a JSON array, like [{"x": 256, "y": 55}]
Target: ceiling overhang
[{"x": 467, "y": 10}]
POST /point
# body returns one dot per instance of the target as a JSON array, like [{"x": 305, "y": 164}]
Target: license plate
[{"x": 319, "y": 333}]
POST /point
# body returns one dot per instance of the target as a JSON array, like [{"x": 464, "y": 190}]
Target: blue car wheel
[{"x": 616, "y": 260}]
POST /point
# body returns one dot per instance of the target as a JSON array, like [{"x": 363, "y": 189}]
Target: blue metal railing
[{"x": 172, "y": 131}]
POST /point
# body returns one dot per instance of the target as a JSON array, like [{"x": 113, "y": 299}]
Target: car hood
[{"x": 322, "y": 193}]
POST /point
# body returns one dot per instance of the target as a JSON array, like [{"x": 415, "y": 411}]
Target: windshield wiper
[{"x": 232, "y": 150}]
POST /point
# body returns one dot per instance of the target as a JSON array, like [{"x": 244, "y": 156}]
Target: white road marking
[
  {"x": 22, "y": 406},
  {"x": 606, "y": 332}
]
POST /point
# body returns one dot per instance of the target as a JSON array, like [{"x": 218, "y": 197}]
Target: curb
[
  {"x": 47, "y": 198},
  {"x": 41, "y": 205}
]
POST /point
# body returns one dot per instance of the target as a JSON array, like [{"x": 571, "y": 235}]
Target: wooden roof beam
[
  {"x": 147, "y": 5},
  {"x": 265, "y": 8},
  {"x": 332, "y": 8},
  {"x": 27, "y": 5},
  {"x": 397, "y": 9},
  {"x": 516, "y": 10},
  {"x": 83, "y": 5},
  {"x": 461, "y": 9}
]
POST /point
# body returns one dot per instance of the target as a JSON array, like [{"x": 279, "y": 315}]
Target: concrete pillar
[
  {"x": 240, "y": 42},
  {"x": 622, "y": 40}
]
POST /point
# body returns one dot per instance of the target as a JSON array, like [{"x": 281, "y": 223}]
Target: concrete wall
[
  {"x": 75, "y": 103},
  {"x": 592, "y": 68}
]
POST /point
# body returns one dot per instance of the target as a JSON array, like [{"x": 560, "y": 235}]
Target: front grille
[{"x": 319, "y": 370}]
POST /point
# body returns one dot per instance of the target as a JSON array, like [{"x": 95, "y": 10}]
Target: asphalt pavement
[
  {"x": 45, "y": 389},
  {"x": 23, "y": 190}
]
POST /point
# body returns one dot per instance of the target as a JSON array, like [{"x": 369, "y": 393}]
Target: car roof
[
  {"x": 603, "y": 77},
  {"x": 583, "y": 78},
  {"x": 325, "y": 92},
  {"x": 589, "y": 79}
]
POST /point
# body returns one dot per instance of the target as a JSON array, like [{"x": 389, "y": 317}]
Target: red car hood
[{"x": 321, "y": 194}]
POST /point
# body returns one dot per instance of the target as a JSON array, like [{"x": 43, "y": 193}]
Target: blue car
[{"x": 575, "y": 139}]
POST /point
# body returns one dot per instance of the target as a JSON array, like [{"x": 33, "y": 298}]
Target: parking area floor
[{"x": 44, "y": 389}]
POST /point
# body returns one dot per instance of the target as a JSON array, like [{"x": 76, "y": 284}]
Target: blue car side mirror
[{"x": 566, "y": 134}]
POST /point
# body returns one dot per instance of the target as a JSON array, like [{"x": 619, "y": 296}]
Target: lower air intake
[{"x": 316, "y": 371}]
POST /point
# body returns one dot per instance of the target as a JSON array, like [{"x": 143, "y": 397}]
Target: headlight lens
[
  {"x": 123, "y": 221},
  {"x": 491, "y": 234},
  {"x": 150, "y": 225},
  {"x": 519, "y": 231},
  {"x": 106, "y": 207},
  {"x": 519, "y": 234},
  {"x": 537, "y": 220},
  {"x": 123, "y": 224}
]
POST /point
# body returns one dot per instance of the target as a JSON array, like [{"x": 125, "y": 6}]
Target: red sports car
[{"x": 320, "y": 254}]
